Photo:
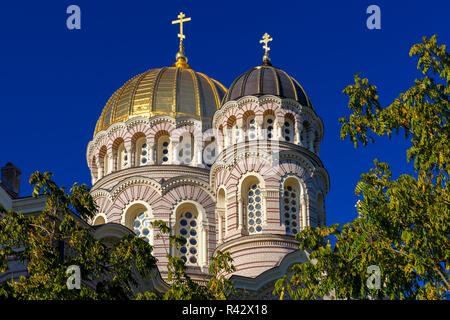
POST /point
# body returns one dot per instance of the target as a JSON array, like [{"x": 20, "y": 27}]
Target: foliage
[
  {"x": 220, "y": 288},
  {"x": 182, "y": 287},
  {"x": 403, "y": 224},
  {"x": 52, "y": 241}
]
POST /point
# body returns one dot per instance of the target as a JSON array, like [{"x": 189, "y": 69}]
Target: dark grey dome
[{"x": 267, "y": 79}]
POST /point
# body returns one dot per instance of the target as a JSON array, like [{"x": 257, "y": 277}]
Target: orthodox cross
[
  {"x": 180, "y": 21},
  {"x": 266, "y": 39}
]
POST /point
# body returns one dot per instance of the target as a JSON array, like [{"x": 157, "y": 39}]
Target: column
[
  {"x": 279, "y": 131},
  {"x": 199, "y": 154},
  {"x": 230, "y": 135},
  {"x": 259, "y": 125},
  {"x": 204, "y": 245},
  {"x": 240, "y": 215},
  {"x": 176, "y": 151},
  {"x": 264, "y": 206},
  {"x": 225, "y": 216},
  {"x": 220, "y": 214},
  {"x": 298, "y": 129},
  {"x": 127, "y": 146},
  {"x": 171, "y": 224},
  {"x": 241, "y": 136},
  {"x": 304, "y": 219},
  {"x": 301, "y": 134},
  {"x": 99, "y": 170},
  {"x": 150, "y": 151},
  {"x": 110, "y": 161}
]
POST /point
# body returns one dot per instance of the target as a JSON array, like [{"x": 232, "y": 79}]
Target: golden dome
[{"x": 179, "y": 92}]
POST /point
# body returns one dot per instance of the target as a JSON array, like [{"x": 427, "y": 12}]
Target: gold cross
[
  {"x": 266, "y": 39},
  {"x": 181, "y": 16}
]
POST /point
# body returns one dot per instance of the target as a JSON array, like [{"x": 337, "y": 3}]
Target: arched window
[
  {"x": 269, "y": 122},
  {"x": 290, "y": 206},
  {"x": 122, "y": 157},
  {"x": 137, "y": 218},
  {"x": 185, "y": 149},
  {"x": 251, "y": 128},
  {"x": 142, "y": 151},
  {"x": 141, "y": 225},
  {"x": 233, "y": 129},
  {"x": 188, "y": 228},
  {"x": 162, "y": 149},
  {"x": 99, "y": 220},
  {"x": 254, "y": 208},
  {"x": 288, "y": 129},
  {"x": 221, "y": 210},
  {"x": 210, "y": 152}
]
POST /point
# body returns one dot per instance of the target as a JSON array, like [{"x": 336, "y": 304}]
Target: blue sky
[{"x": 54, "y": 82}]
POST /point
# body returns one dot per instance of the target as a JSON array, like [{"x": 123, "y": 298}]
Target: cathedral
[{"x": 232, "y": 169}]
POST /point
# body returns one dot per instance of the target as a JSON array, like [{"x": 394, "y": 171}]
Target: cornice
[
  {"x": 259, "y": 240},
  {"x": 148, "y": 169}
]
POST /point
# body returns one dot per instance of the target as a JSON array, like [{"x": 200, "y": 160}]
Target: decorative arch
[
  {"x": 163, "y": 147},
  {"x": 161, "y": 124},
  {"x": 99, "y": 219},
  {"x": 269, "y": 121},
  {"x": 233, "y": 129},
  {"x": 191, "y": 223},
  {"x": 138, "y": 127},
  {"x": 251, "y": 208},
  {"x": 210, "y": 151},
  {"x": 140, "y": 149},
  {"x": 249, "y": 120},
  {"x": 136, "y": 188},
  {"x": 116, "y": 131},
  {"x": 110, "y": 233},
  {"x": 290, "y": 207},
  {"x": 184, "y": 152},
  {"x": 137, "y": 216},
  {"x": 295, "y": 179},
  {"x": 288, "y": 129},
  {"x": 120, "y": 154}
]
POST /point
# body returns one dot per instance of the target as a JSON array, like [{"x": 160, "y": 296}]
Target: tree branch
[
  {"x": 38, "y": 226},
  {"x": 442, "y": 277}
]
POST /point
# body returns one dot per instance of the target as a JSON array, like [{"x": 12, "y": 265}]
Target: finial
[
  {"x": 266, "y": 39},
  {"x": 181, "y": 56}
]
